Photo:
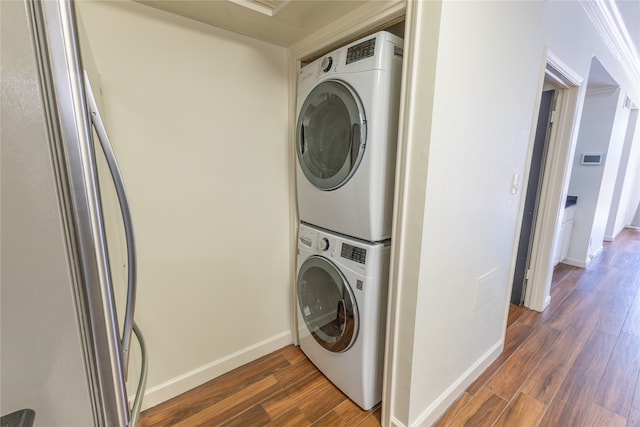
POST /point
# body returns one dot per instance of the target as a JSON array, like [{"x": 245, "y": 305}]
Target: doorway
[
  {"x": 555, "y": 180},
  {"x": 532, "y": 197}
]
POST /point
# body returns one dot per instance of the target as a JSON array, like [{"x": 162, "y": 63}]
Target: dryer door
[
  {"x": 330, "y": 134},
  {"x": 327, "y": 304}
]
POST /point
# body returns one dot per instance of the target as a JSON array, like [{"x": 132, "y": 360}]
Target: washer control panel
[
  {"x": 314, "y": 240},
  {"x": 324, "y": 244},
  {"x": 331, "y": 246}
]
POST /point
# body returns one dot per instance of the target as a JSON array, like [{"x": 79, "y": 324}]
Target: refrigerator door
[{"x": 60, "y": 343}]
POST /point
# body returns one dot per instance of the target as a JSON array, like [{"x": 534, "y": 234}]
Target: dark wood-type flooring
[
  {"x": 576, "y": 364},
  {"x": 280, "y": 389}
]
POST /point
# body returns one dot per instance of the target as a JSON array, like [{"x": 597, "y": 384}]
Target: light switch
[{"x": 514, "y": 183}]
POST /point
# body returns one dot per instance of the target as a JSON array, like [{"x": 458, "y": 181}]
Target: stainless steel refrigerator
[{"x": 64, "y": 347}]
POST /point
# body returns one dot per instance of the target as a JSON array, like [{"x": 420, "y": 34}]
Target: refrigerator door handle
[{"x": 126, "y": 218}]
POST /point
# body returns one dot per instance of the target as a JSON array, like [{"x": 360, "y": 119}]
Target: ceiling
[
  {"x": 280, "y": 22},
  {"x": 286, "y": 22},
  {"x": 619, "y": 25}
]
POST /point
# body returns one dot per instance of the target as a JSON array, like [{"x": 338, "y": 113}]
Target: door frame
[
  {"x": 534, "y": 184},
  {"x": 555, "y": 181}
]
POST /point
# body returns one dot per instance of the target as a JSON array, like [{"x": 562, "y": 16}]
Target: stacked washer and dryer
[{"x": 348, "y": 102}]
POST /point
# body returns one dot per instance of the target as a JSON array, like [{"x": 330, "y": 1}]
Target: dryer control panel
[
  {"x": 361, "y": 50},
  {"x": 354, "y": 253}
]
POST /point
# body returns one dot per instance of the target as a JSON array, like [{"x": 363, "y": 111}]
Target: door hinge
[
  {"x": 554, "y": 112},
  {"x": 528, "y": 275}
]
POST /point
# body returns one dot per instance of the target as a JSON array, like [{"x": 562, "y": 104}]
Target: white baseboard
[
  {"x": 584, "y": 263},
  {"x": 434, "y": 411},
  {"x": 574, "y": 262},
  {"x": 189, "y": 380},
  {"x": 614, "y": 236}
]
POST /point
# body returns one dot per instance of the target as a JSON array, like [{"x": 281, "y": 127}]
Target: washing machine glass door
[
  {"x": 330, "y": 134},
  {"x": 327, "y": 304}
]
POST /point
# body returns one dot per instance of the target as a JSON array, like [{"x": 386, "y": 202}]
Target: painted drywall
[
  {"x": 419, "y": 65},
  {"x": 472, "y": 164},
  {"x": 632, "y": 181},
  {"x": 609, "y": 175},
  {"x": 602, "y": 129},
  {"x": 484, "y": 72},
  {"x": 594, "y": 136},
  {"x": 199, "y": 119},
  {"x": 623, "y": 197}
]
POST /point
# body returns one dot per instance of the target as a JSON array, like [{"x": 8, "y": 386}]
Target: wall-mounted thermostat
[{"x": 591, "y": 159}]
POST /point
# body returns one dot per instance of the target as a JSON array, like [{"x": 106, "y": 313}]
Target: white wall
[
  {"x": 623, "y": 198},
  {"x": 483, "y": 65},
  {"x": 609, "y": 176},
  {"x": 600, "y": 132},
  {"x": 478, "y": 141},
  {"x": 199, "y": 120},
  {"x": 632, "y": 180}
]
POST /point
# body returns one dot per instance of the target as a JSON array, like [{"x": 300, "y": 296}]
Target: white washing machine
[
  {"x": 342, "y": 299},
  {"x": 346, "y": 134}
]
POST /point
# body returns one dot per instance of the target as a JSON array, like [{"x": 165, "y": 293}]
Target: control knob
[
  {"x": 327, "y": 63},
  {"x": 323, "y": 244}
]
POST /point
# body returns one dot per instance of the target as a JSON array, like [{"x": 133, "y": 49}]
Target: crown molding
[
  {"x": 607, "y": 20},
  {"x": 609, "y": 90}
]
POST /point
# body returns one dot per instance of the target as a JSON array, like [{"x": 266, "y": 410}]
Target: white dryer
[
  {"x": 346, "y": 132},
  {"x": 342, "y": 298}
]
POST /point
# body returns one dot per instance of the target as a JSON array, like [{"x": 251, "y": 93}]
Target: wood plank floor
[
  {"x": 281, "y": 389},
  {"x": 576, "y": 364}
]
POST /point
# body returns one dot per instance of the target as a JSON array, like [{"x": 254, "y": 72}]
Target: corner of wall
[
  {"x": 435, "y": 411},
  {"x": 198, "y": 376}
]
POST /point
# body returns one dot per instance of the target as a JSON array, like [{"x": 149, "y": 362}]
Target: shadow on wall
[{"x": 636, "y": 218}]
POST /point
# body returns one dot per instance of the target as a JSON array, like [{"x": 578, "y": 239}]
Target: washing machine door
[
  {"x": 330, "y": 134},
  {"x": 327, "y": 304}
]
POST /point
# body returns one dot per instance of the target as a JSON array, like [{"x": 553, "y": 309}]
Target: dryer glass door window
[
  {"x": 331, "y": 134},
  {"x": 327, "y": 304}
]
